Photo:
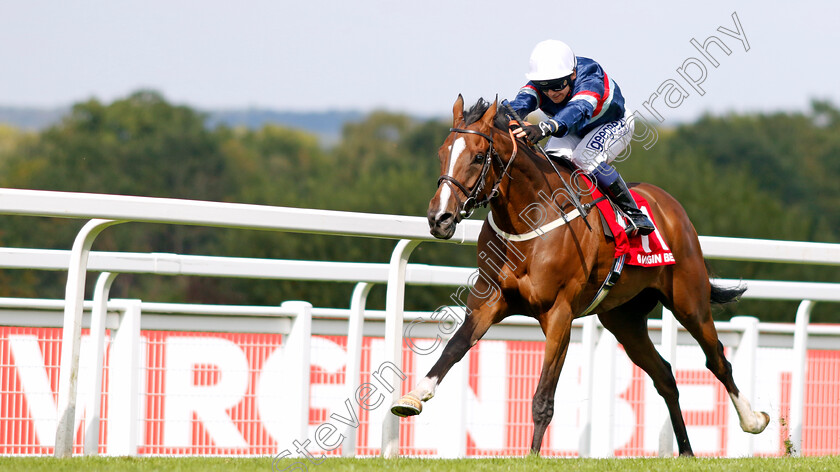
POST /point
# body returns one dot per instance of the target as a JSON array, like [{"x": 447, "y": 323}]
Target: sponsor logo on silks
[
  {"x": 654, "y": 259},
  {"x": 605, "y": 135}
]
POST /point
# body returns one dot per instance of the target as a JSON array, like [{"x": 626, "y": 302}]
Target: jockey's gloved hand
[{"x": 535, "y": 133}]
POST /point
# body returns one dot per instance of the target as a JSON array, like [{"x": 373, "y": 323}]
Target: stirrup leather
[{"x": 609, "y": 282}]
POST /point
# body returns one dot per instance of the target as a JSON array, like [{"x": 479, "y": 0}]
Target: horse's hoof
[
  {"x": 764, "y": 423},
  {"x": 408, "y": 405},
  {"x": 759, "y": 423}
]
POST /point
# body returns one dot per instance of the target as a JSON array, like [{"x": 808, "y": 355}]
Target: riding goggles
[{"x": 554, "y": 84}]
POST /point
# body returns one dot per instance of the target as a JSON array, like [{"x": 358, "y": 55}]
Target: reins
[
  {"x": 471, "y": 202},
  {"x": 583, "y": 209}
]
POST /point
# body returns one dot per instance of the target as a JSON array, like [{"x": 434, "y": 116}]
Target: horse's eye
[{"x": 478, "y": 157}]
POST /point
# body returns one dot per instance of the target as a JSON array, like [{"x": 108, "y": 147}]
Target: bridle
[{"x": 469, "y": 205}]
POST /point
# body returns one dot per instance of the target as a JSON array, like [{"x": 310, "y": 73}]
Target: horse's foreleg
[
  {"x": 473, "y": 328},
  {"x": 556, "y": 325}
]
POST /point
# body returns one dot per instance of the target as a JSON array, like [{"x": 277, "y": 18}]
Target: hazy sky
[{"x": 406, "y": 56}]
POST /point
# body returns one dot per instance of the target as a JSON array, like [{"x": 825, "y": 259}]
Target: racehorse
[{"x": 555, "y": 277}]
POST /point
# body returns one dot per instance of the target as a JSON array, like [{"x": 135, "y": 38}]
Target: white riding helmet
[{"x": 551, "y": 59}]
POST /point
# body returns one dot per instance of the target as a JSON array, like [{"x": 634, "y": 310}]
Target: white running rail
[{"x": 107, "y": 210}]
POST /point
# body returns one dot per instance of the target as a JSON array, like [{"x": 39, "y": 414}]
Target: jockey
[{"x": 587, "y": 120}]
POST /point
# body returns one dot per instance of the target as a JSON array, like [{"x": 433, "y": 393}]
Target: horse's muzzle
[{"x": 442, "y": 226}]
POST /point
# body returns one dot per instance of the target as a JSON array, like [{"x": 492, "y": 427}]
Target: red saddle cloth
[{"x": 647, "y": 251}]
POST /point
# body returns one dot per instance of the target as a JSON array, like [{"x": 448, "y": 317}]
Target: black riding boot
[{"x": 616, "y": 190}]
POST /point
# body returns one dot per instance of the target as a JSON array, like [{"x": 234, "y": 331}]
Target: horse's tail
[{"x": 721, "y": 295}]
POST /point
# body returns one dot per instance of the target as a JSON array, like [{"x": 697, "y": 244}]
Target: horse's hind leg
[
  {"x": 630, "y": 329},
  {"x": 470, "y": 331},
  {"x": 691, "y": 305}
]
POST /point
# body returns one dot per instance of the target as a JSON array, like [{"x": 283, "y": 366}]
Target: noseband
[{"x": 471, "y": 202}]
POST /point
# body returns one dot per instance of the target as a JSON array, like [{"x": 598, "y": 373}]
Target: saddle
[{"x": 645, "y": 251}]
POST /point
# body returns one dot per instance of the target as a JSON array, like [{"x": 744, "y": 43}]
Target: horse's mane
[
  {"x": 501, "y": 122},
  {"x": 477, "y": 111}
]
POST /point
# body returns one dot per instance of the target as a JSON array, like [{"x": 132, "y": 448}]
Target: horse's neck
[{"x": 534, "y": 192}]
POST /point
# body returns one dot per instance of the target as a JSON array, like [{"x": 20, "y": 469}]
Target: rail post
[
  {"x": 799, "y": 375},
  {"x": 98, "y": 318},
  {"x": 589, "y": 339},
  {"x": 603, "y": 423},
  {"x": 355, "y": 332},
  {"x": 394, "y": 302},
  {"x": 71, "y": 338},
  {"x": 668, "y": 351}
]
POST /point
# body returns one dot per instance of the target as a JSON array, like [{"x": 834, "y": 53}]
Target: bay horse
[{"x": 555, "y": 277}]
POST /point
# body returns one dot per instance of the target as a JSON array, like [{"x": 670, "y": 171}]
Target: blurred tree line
[{"x": 771, "y": 176}]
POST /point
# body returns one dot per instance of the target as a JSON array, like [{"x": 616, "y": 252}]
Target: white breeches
[{"x": 603, "y": 144}]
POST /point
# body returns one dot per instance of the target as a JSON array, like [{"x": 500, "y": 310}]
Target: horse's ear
[
  {"x": 490, "y": 114},
  {"x": 458, "y": 111}
]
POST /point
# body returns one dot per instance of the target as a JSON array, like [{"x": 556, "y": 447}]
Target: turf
[{"x": 189, "y": 464}]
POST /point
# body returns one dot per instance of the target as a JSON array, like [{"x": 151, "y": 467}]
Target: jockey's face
[{"x": 557, "y": 96}]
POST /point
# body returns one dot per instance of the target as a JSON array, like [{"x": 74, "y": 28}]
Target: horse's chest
[
  {"x": 514, "y": 282},
  {"x": 537, "y": 291},
  {"x": 541, "y": 282},
  {"x": 534, "y": 276}
]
